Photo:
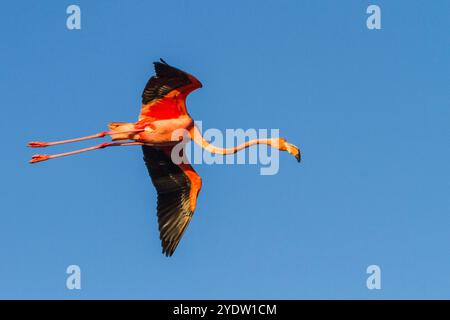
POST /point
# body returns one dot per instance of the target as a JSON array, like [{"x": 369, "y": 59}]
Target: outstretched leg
[
  {"x": 39, "y": 144},
  {"x": 43, "y": 157}
]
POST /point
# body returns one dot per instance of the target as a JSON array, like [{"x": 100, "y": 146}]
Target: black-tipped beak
[{"x": 298, "y": 157}]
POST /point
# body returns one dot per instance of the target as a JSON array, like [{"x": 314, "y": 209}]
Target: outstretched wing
[
  {"x": 165, "y": 94},
  {"x": 177, "y": 187}
]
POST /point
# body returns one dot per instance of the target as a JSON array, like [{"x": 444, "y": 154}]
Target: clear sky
[{"x": 370, "y": 110}]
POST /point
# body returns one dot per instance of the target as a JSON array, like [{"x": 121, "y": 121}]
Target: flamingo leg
[
  {"x": 43, "y": 157},
  {"x": 40, "y": 144}
]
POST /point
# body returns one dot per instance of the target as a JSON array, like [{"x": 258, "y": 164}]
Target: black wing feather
[
  {"x": 173, "y": 189},
  {"x": 167, "y": 78}
]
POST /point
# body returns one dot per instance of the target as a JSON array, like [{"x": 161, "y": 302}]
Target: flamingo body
[{"x": 163, "y": 112}]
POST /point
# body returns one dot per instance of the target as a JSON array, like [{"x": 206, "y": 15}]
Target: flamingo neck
[{"x": 197, "y": 137}]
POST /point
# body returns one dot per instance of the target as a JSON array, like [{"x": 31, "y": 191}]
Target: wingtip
[
  {"x": 167, "y": 253},
  {"x": 161, "y": 61}
]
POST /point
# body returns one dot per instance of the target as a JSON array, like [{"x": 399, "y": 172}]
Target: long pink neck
[{"x": 197, "y": 137}]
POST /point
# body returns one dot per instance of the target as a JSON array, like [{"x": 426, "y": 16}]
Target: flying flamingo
[{"x": 163, "y": 112}]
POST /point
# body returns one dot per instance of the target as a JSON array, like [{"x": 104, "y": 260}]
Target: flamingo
[{"x": 163, "y": 111}]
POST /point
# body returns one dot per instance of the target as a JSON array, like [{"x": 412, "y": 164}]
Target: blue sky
[{"x": 370, "y": 110}]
